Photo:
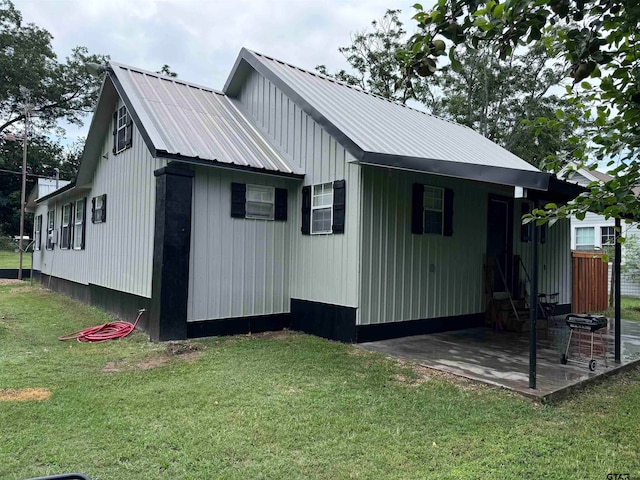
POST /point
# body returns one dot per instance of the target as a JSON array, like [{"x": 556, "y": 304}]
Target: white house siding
[
  {"x": 324, "y": 268},
  {"x": 118, "y": 253},
  {"x": 554, "y": 258},
  {"x": 407, "y": 276},
  {"x": 238, "y": 267},
  {"x": 70, "y": 264}
]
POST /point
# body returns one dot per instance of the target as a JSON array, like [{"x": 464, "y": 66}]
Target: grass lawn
[
  {"x": 279, "y": 406},
  {"x": 630, "y": 309},
  {"x": 12, "y": 259}
]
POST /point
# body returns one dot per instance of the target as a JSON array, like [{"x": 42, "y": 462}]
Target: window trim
[
  {"x": 66, "y": 229},
  {"x": 37, "y": 233},
  {"x": 611, "y": 242},
  {"x": 123, "y": 124},
  {"x": 103, "y": 210},
  {"x": 272, "y": 203},
  {"x": 81, "y": 224},
  {"x": 426, "y": 209},
  {"x": 322, "y": 207},
  {"x": 51, "y": 228}
]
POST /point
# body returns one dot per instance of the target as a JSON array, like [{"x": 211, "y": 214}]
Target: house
[
  {"x": 595, "y": 232},
  {"x": 291, "y": 200}
]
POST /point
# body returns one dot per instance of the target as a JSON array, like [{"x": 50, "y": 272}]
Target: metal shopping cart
[{"x": 585, "y": 323}]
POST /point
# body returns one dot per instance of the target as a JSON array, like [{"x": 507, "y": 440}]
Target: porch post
[
  {"x": 533, "y": 305},
  {"x": 617, "y": 293}
]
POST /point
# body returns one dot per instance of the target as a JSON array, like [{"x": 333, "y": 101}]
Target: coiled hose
[{"x": 102, "y": 333}]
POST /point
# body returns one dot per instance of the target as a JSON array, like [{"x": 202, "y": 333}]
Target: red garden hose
[{"x": 102, "y": 333}]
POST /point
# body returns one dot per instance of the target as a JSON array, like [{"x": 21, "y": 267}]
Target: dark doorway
[{"x": 500, "y": 241}]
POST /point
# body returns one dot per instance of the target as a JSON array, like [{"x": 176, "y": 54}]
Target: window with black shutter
[
  {"x": 99, "y": 209},
  {"x": 323, "y": 208},
  {"x": 258, "y": 202},
  {"x": 122, "y": 130},
  {"x": 66, "y": 226}
]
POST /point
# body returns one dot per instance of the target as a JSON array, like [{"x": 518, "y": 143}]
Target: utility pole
[{"x": 25, "y": 140}]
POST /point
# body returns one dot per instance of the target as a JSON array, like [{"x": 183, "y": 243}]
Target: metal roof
[
  {"x": 382, "y": 132},
  {"x": 184, "y": 120},
  {"x": 43, "y": 188}
]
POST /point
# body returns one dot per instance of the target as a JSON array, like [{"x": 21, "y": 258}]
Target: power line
[{"x": 28, "y": 174}]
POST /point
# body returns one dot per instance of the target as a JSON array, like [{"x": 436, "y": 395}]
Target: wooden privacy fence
[{"x": 589, "y": 282}]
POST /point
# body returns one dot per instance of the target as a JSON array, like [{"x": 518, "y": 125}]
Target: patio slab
[{"x": 502, "y": 358}]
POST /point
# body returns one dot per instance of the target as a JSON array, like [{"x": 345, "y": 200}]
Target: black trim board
[
  {"x": 12, "y": 273},
  {"x": 335, "y": 322},
  {"x": 238, "y": 325},
  {"x": 123, "y": 305},
  {"x": 383, "y": 331}
]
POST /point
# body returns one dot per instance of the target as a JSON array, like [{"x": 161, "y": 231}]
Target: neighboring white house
[
  {"x": 290, "y": 200},
  {"x": 596, "y": 232}
]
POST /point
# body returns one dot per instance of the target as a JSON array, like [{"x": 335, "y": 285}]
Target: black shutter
[
  {"x": 104, "y": 208},
  {"x": 115, "y": 132},
  {"x": 447, "y": 227},
  {"x": 542, "y": 233},
  {"x": 238, "y": 200},
  {"x": 339, "y": 200},
  {"x": 39, "y": 221},
  {"x": 525, "y": 230},
  {"x": 84, "y": 222},
  {"x": 417, "y": 209},
  {"x": 72, "y": 223},
  {"x": 93, "y": 210},
  {"x": 280, "y": 212},
  {"x": 306, "y": 211},
  {"x": 128, "y": 132}
]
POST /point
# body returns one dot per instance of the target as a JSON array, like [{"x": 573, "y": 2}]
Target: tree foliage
[
  {"x": 598, "y": 43},
  {"x": 57, "y": 90}
]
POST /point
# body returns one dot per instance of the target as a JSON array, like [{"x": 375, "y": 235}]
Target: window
[
  {"x": 259, "y": 202},
  {"x": 65, "y": 238},
  {"x": 122, "y": 130},
  {"x": 585, "y": 238},
  {"x": 99, "y": 209},
  {"x": 608, "y": 236},
  {"x": 37, "y": 233},
  {"x": 51, "y": 233},
  {"x": 78, "y": 225},
  {"x": 432, "y": 210},
  {"x": 322, "y": 208}
]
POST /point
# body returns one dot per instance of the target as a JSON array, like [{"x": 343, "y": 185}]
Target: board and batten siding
[
  {"x": 119, "y": 252},
  {"x": 407, "y": 276},
  {"x": 238, "y": 267},
  {"x": 554, "y": 257},
  {"x": 324, "y": 268}
]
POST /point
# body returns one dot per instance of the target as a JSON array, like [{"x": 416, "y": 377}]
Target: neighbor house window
[
  {"x": 122, "y": 130},
  {"x": 65, "y": 238},
  {"x": 99, "y": 209},
  {"x": 322, "y": 208},
  {"x": 51, "y": 225},
  {"x": 608, "y": 236},
  {"x": 259, "y": 202},
  {"x": 37, "y": 233},
  {"x": 431, "y": 210},
  {"x": 78, "y": 225},
  {"x": 585, "y": 238}
]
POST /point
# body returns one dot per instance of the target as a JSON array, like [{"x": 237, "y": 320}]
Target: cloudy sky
[{"x": 200, "y": 39}]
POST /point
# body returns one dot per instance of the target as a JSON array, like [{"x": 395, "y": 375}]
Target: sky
[{"x": 201, "y": 39}]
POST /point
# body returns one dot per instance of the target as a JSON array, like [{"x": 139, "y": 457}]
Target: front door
[{"x": 500, "y": 241}]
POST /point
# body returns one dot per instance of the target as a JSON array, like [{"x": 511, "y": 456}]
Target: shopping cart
[{"x": 585, "y": 323}]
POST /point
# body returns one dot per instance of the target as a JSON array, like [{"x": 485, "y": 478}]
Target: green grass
[
  {"x": 630, "y": 309},
  {"x": 280, "y": 406},
  {"x": 12, "y": 260}
]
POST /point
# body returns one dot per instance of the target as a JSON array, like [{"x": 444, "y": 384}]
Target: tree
[
  {"x": 376, "y": 67},
  {"x": 167, "y": 72},
  {"x": 598, "y": 41},
  {"x": 57, "y": 91}
]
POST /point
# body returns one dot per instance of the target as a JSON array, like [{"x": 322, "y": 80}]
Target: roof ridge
[
  {"x": 353, "y": 87},
  {"x": 166, "y": 78}
]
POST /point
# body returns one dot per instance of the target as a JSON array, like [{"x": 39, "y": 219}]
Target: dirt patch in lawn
[
  {"x": 24, "y": 394},
  {"x": 10, "y": 281},
  {"x": 421, "y": 374},
  {"x": 188, "y": 352}
]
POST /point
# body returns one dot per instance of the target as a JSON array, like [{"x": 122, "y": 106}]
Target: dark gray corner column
[{"x": 171, "y": 249}]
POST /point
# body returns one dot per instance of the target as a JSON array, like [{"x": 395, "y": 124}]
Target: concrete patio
[{"x": 502, "y": 358}]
